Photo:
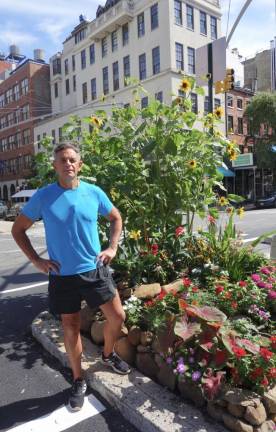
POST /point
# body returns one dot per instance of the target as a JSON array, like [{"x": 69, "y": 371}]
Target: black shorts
[{"x": 96, "y": 287}]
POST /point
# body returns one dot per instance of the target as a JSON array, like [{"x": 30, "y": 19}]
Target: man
[{"x": 77, "y": 268}]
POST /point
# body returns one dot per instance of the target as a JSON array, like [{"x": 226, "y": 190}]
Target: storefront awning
[
  {"x": 25, "y": 193},
  {"x": 225, "y": 171}
]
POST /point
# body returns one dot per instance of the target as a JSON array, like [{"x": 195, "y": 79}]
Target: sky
[{"x": 31, "y": 24}]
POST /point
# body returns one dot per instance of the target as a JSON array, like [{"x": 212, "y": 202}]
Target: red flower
[
  {"x": 219, "y": 289},
  {"x": 228, "y": 295},
  {"x": 154, "y": 249},
  {"x": 149, "y": 303},
  {"x": 272, "y": 372},
  {"x": 256, "y": 373},
  {"x": 266, "y": 354},
  {"x": 195, "y": 289},
  {"x": 186, "y": 282},
  {"x": 242, "y": 284},
  {"x": 273, "y": 341},
  {"x": 265, "y": 382},
  {"x": 179, "y": 231},
  {"x": 239, "y": 352},
  {"x": 162, "y": 295},
  {"x": 220, "y": 357},
  {"x": 234, "y": 305}
]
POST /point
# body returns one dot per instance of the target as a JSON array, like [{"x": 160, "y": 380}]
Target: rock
[
  {"x": 255, "y": 416},
  {"x": 237, "y": 396},
  {"x": 134, "y": 335},
  {"x": 221, "y": 403},
  {"x": 143, "y": 349},
  {"x": 192, "y": 392},
  {"x": 269, "y": 400},
  {"x": 215, "y": 411},
  {"x": 236, "y": 410},
  {"x": 267, "y": 426},
  {"x": 158, "y": 360},
  {"x": 97, "y": 334},
  {"x": 124, "y": 331},
  {"x": 146, "y": 338},
  {"x": 146, "y": 365},
  {"x": 166, "y": 377},
  {"x": 126, "y": 293},
  {"x": 173, "y": 286},
  {"x": 235, "y": 424},
  {"x": 122, "y": 285},
  {"x": 125, "y": 350},
  {"x": 87, "y": 316},
  {"x": 147, "y": 291}
]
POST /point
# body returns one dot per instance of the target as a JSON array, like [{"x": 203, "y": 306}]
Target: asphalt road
[{"x": 34, "y": 384}]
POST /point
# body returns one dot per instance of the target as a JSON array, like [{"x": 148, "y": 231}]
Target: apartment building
[
  {"x": 24, "y": 97},
  {"x": 258, "y": 72},
  {"x": 154, "y": 41}
]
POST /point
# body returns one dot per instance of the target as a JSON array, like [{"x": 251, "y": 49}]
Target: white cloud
[
  {"x": 12, "y": 34},
  {"x": 53, "y": 29}
]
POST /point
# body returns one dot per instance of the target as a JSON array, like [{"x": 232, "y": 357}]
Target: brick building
[{"x": 24, "y": 98}]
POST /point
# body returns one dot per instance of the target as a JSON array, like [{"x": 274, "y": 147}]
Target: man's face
[{"x": 67, "y": 164}]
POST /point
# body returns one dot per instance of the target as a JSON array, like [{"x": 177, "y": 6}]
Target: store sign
[{"x": 245, "y": 159}]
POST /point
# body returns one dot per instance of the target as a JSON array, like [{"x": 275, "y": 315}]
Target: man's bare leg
[
  {"x": 115, "y": 317},
  {"x": 72, "y": 341}
]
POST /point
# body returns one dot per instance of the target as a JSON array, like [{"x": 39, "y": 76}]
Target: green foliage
[{"x": 262, "y": 111}]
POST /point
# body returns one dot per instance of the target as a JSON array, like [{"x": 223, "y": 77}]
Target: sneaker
[
  {"x": 78, "y": 391},
  {"x": 116, "y": 363}
]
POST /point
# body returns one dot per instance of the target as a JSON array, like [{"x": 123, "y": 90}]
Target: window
[
  {"x": 93, "y": 89},
  {"x": 239, "y": 103},
  {"x": 80, "y": 35},
  {"x": 26, "y": 136},
  {"x": 154, "y": 16},
  {"x": 56, "y": 66},
  {"x": 178, "y": 12},
  {"x": 194, "y": 103},
  {"x": 16, "y": 92},
  {"x": 38, "y": 141},
  {"x": 179, "y": 57},
  {"x": 105, "y": 80},
  {"x": 126, "y": 69},
  {"x": 125, "y": 34},
  {"x": 67, "y": 86},
  {"x": 73, "y": 63},
  {"x": 114, "y": 41},
  {"x": 66, "y": 66},
  {"x": 17, "y": 116},
  {"x": 104, "y": 47},
  {"x": 206, "y": 105},
  {"x": 240, "y": 125},
  {"x": 84, "y": 93},
  {"x": 83, "y": 59},
  {"x": 229, "y": 101},
  {"x": 141, "y": 25},
  {"x": 214, "y": 28},
  {"x": 74, "y": 83},
  {"x": 190, "y": 17},
  {"x": 2, "y": 100},
  {"x": 18, "y": 139},
  {"x": 230, "y": 124},
  {"x": 59, "y": 134},
  {"x": 10, "y": 119},
  {"x": 159, "y": 96},
  {"x": 9, "y": 96},
  {"x": 144, "y": 102},
  {"x": 203, "y": 23},
  {"x": 92, "y": 53},
  {"x": 56, "y": 90},
  {"x": 115, "y": 68},
  {"x": 191, "y": 60},
  {"x": 217, "y": 103},
  {"x": 25, "y": 112},
  {"x": 2, "y": 122},
  {"x": 142, "y": 67},
  {"x": 53, "y": 136},
  {"x": 156, "y": 60}
]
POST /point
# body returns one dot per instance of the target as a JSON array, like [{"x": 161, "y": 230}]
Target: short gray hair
[{"x": 65, "y": 146}]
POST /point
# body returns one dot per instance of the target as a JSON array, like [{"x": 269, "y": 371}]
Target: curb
[{"x": 147, "y": 405}]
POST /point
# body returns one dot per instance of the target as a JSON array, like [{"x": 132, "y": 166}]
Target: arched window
[
  {"x": 12, "y": 189},
  {"x": 5, "y": 193}
]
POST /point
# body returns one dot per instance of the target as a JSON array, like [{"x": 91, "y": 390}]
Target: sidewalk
[
  {"x": 144, "y": 403},
  {"x": 5, "y": 227}
]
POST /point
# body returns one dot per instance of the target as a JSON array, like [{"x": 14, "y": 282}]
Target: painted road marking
[
  {"x": 62, "y": 419},
  {"x": 24, "y": 288},
  {"x": 19, "y": 250},
  {"x": 249, "y": 240}
]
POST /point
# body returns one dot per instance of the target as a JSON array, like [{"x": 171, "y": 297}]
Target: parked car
[
  {"x": 3, "y": 210},
  {"x": 267, "y": 201},
  {"x": 14, "y": 211}
]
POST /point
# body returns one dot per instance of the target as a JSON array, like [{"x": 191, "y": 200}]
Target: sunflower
[
  {"x": 185, "y": 85},
  {"x": 233, "y": 155},
  {"x": 218, "y": 112},
  {"x": 192, "y": 164},
  {"x": 135, "y": 234},
  {"x": 96, "y": 121},
  {"x": 229, "y": 210},
  {"x": 223, "y": 201},
  {"x": 178, "y": 100},
  {"x": 240, "y": 212}
]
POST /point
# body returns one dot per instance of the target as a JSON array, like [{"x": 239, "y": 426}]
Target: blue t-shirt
[{"x": 70, "y": 221}]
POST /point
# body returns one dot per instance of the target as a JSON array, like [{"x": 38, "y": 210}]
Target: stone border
[{"x": 147, "y": 405}]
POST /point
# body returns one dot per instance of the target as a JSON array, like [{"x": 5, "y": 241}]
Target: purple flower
[
  {"x": 192, "y": 351},
  {"x": 196, "y": 375},
  {"x": 191, "y": 359},
  {"x": 265, "y": 270},
  {"x": 255, "y": 277},
  {"x": 261, "y": 284},
  {"x": 181, "y": 368},
  {"x": 180, "y": 360},
  {"x": 268, "y": 286},
  {"x": 272, "y": 295},
  {"x": 169, "y": 360}
]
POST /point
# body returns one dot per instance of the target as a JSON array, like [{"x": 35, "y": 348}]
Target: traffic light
[
  {"x": 219, "y": 87},
  {"x": 229, "y": 80}
]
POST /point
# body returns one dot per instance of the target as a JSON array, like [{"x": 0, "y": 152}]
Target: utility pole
[
  {"x": 210, "y": 78},
  {"x": 245, "y": 6}
]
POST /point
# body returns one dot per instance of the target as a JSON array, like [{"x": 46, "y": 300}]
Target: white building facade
[{"x": 153, "y": 41}]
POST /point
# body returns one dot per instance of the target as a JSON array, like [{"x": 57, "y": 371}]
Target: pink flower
[
  {"x": 261, "y": 284},
  {"x": 179, "y": 231},
  {"x": 272, "y": 295},
  {"x": 268, "y": 286},
  {"x": 211, "y": 220},
  {"x": 255, "y": 277},
  {"x": 265, "y": 270}
]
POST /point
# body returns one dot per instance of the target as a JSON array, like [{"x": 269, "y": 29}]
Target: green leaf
[
  {"x": 235, "y": 198},
  {"x": 170, "y": 147}
]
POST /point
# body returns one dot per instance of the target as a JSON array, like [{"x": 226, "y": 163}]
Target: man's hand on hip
[
  {"x": 46, "y": 266},
  {"x": 107, "y": 255}
]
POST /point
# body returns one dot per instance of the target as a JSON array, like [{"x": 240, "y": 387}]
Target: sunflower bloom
[
  {"x": 233, "y": 155},
  {"x": 229, "y": 210},
  {"x": 223, "y": 201},
  {"x": 135, "y": 234},
  {"x": 192, "y": 164},
  {"x": 96, "y": 121},
  {"x": 185, "y": 85},
  {"x": 218, "y": 112},
  {"x": 240, "y": 212}
]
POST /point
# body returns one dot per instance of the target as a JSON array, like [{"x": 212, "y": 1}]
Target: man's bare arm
[
  {"x": 115, "y": 233},
  {"x": 19, "y": 228}
]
